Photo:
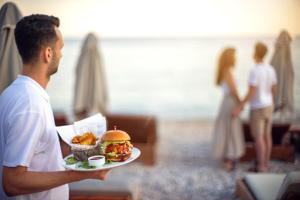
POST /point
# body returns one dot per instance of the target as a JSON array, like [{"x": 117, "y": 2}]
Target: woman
[{"x": 228, "y": 143}]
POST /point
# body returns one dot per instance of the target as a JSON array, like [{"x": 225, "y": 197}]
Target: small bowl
[{"x": 96, "y": 161}]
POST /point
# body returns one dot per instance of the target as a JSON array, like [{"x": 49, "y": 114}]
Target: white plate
[{"x": 76, "y": 167}]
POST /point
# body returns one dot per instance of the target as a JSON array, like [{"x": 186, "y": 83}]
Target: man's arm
[
  {"x": 248, "y": 97},
  {"x": 18, "y": 180},
  {"x": 274, "y": 90},
  {"x": 65, "y": 148}
]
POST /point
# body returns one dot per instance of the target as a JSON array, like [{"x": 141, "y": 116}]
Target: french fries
[{"x": 86, "y": 139}]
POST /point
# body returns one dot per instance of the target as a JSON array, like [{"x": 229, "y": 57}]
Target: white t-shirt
[
  {"x": 263, "y": 77},
  {"x": 28, "y": 136}
]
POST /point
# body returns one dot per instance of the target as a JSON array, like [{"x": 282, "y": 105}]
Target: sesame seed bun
[{"x": 115, "y": 135}]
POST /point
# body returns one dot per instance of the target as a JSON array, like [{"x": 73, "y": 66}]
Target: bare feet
[
  {"x": 262, "y": 168},
  {"x": 258, "y": 168},
  {"x": 228, "y": 165}
]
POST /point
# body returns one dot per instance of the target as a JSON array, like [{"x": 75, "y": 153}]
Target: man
[
  {"x": 261, "y": 93},
  {"x": 30, "y": 153}
]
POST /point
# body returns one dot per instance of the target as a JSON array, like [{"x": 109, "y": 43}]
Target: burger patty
[
  {"x": 118, "y": 148},
  {"x": 116, "y": 151},
  {"x": 118, "y": 157}
]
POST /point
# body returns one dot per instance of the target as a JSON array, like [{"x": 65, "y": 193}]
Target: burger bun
[
  {"x": 115, "y": 135},
  {"x": 120, "y": 158}
]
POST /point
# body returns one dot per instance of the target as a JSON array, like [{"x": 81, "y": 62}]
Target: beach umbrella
[
  {"x": 10, "y": 60},
  {"x": 90, "y": 85},
  {"x": 282, "y": 63}
]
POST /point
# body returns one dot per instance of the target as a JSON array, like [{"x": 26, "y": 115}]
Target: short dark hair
[
  {"x": 260, "y": 50},
  {"x": 34, "y": 32}
]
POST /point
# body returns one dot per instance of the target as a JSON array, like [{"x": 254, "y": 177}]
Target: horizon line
[{"x": 163, "y": 37}]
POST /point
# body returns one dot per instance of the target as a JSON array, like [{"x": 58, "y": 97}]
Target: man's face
[
  {"x": 254, "y": 54},
  {"x": 53, "y": 67}
]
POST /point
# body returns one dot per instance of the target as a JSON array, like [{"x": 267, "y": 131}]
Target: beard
[{"x": 53, "y": 67}]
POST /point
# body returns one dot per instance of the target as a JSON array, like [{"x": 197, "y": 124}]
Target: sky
[{"x": 169, "y": 18}]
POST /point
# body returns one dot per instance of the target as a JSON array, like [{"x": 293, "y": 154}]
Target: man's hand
[
  {"x": 101, "y": 175},
  {"x": 250, "y": 95}
]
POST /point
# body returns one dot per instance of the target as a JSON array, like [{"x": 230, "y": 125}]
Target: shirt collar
[{"x": 36, "y": 85}]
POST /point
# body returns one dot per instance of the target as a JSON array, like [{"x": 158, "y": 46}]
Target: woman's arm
[
  {"x": 18, "y": 180},
  {"x": 228, "y": 77},
  {"x": 250, "y": 95}
]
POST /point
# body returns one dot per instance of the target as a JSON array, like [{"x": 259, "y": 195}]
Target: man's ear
[{"x": 47, "y": 54}]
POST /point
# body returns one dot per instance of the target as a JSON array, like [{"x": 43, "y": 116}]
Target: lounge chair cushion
[
  {"x": 264, "y": 186},
  {"x": 290, "y": 186},
  {"x": 113, "y": 187},
  {"x": 142, "y": 130}
]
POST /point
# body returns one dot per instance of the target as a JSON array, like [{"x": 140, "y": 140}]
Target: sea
[{"x": 170, "y": 78}]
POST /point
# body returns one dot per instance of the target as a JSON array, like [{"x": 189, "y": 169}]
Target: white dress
[{"x": 228, "y": 139}]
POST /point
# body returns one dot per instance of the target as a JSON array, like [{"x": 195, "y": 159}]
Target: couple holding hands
[{"x": 228, "y": 142}]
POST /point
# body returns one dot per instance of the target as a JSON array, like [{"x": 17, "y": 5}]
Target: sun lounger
[
  {"x": 268, "y": 186},
  {"x": 115, "y": 188},
  {"x": 142, "y": 130}
]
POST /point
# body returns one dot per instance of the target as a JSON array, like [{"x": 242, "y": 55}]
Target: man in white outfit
[
  {"x": 30, "y": 152},
  {"x": 261, "y": 93}
]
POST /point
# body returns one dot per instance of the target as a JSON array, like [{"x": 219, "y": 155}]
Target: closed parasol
[
  {"x": 90, "y": 85},
  {"x": 10, "y": 60},
  {"x": 282, "y": 63}
]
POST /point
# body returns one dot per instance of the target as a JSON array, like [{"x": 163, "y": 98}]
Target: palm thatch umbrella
[
  {"x": 10, "y": 60},
  {"x": 282, "y": 63},
  {"x": 90, "y": 85}
]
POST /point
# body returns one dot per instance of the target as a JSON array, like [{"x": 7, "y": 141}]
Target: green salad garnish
[
  {"x": 85, "y": 165},
  {"x": 71, "y": 160},
  {"x": 108, "y": 161}
]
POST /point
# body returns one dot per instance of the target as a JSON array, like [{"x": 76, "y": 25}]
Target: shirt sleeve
[
  {"x": 25, "y": 130},
  {"x": 253, "y": 79}
]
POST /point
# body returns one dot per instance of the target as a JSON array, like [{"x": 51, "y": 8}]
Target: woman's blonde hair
[{"x": 226, "y": 60}]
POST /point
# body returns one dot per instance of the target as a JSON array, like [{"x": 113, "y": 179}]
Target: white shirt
[
  {"x": 28, "y": 136},
  {"x": 263, "y": 77}
]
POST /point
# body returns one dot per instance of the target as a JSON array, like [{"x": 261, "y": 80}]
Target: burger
[{"x": 115, "y": 145}]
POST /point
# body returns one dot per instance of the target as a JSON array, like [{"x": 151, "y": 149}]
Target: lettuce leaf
[
  {"x": 85, "y": 165},
  {"x": 71, "y": 160}
]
